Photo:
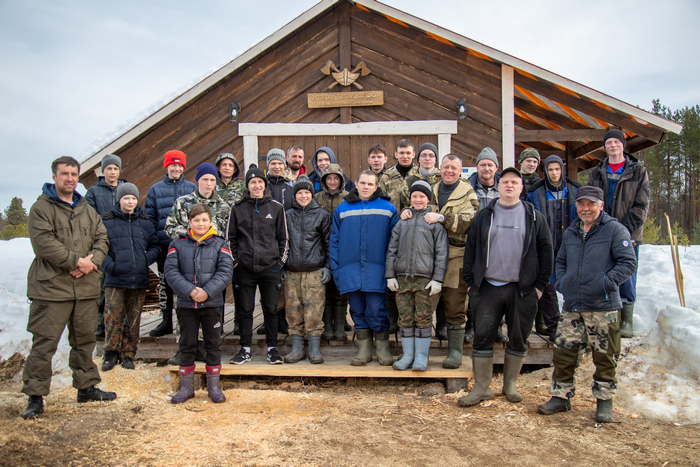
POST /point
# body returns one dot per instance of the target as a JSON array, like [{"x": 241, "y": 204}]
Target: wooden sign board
[{"x": 345, "y": 99}]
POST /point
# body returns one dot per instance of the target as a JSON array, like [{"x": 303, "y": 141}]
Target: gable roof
[{"x": 545, "y": 102}]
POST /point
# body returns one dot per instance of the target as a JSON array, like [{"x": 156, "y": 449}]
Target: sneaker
[
  {"x": 241, "y": 357},
  {"x": 273, "y": 357}
]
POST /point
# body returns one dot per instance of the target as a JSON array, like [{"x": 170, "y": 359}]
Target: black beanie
[
  {"x": 617, "y": 134},
  {"x": 423, "y": 187},
  {"x": 252, "y": 173},
  {"x": 303, "y": 183}
]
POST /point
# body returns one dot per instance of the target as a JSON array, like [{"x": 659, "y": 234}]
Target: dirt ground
[{"x": 341, "y": 422}]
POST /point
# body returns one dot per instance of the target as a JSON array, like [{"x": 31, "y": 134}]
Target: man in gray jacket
[{"x": 595, "y": 258}]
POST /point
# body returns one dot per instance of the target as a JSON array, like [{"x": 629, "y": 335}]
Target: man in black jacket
[
  {"x": 257, "y": 233},
  {"x": 507, "y": 264},
  {"x": 595, "y": 258}
]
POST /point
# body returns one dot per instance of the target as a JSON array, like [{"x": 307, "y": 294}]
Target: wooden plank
[
  {"x": 427, "y": 127},
  {"x": 507, "y": 117},
  {"x": 336, "y": 368},
  {"x": 560, "y": 135},
  {"x": 344, "y": 51},
  {"x": 550, "y": 116}
]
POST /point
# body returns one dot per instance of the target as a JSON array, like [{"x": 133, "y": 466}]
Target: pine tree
[
  {"x": 13, "y": 231},
  {"x": 678, "y": 232},
  {"x": 15, "y": 212},
  {"x": 652, "y": 232}
]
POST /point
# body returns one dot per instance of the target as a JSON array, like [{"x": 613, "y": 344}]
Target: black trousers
[
  {"x": 190, "y": 319},
  {"x": 549, "y": 305},
  {"x": 245, "y": 282},
  {"x": 166, "y": 307},
  {"x": 490, "y": 306}
]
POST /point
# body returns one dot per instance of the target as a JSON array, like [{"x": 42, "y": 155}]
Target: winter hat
[
  {"x": 527, "y": 153},
  {"x": 222, "y": 156},
  {"x": 175, "y": 157},
  {"x": 508, "y": 170},
  {"x": 303, "y": 183},
  {"x": 206, "y": 168},
  {"x": 617, "y": 134},
  {"x": 252, "y": 173},
  {"x": 430, "y": 146},
  {"x": 487, "y": 153},
  {"x": 592, "y": 193},
  {"x": 111, "y": 159},
  {"x": 127, "y": 189},
  {"x": 275, "y": 154},
  {"x": 422, "y": 186}
]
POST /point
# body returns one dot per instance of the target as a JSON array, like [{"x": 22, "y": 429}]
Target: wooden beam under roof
[{"x": 559, "y": 135}]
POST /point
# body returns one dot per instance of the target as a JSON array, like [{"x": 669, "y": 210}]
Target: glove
[
  {"x": 393, "y": 285},
  {"x": 434, "y": 286},
  {"x": 283, "y": 275},
  {"x": 326, "y": 275}
]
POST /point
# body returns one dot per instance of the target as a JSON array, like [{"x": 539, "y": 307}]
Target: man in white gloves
[{"x": 416, "y": 262}]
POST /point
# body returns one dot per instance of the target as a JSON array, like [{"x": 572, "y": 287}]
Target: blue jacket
[
  {"x": 102, "y": 196},
  {"x": 359, "y": 239},
  {"x": 160, "y": 200},
  {"x": 206, "y": 264},
  {"x": 133, "y": 246},
  {"x": 589, "y": 271}
]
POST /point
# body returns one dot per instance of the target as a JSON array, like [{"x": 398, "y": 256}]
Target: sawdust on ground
[{"x": 349, "y": 422}]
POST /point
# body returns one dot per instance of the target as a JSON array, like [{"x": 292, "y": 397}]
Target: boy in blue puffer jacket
[
  {"x": 198, "y": 268},
  {"x": 133, "y": 246}
]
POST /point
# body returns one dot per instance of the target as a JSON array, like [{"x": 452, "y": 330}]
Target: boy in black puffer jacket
[
  {"x": 309, "y": 227},
  {"x": 198, "y": 268},
  {"x": 133, "y": 246}
]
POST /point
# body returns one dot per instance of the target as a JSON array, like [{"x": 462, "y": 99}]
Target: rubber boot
[
  {"x": 440, "y": 321},
  {"x": 297, "y": 353},
  {"x": 364, "y": 344},
  {"x": 175, "y": 359},
  {"x": 165, "y": 326},
  {"x": 315, "y": 356},
  {"x": 35, "y": 407},
  {"x": 186, "y": 385},
  {"x": 328, "y": 333},
  {"x": 555, "y": 405},
  {"x": 408, "y": 346},
  {"x": 110, "y": 360},
  {"x": 420, "y": 362},
  {"x": 469, "y": 332},
  {"x": 339, "y": 312},
  {"x": 455, "y": 346},
  {"x": 381, "y": 342},
  {"x": 100, "y": 332},
  {"x": 511, "y": 370},
  {"x": 603, "y": 412},
  {"x": 540, "y": 326},
  {"x": 215, "y": 394},
  {"x": 393, "y": 313},
  {"x": 627, "y": 325},
  {"x": 483, "y": 372}
]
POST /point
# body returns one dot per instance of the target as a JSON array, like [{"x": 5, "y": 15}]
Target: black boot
[
  {"x": 440, "y": 321},
  {"x": 175, "y": 359},
  {"x": 201, "y": 354},
  {"x": 34, "y": 408},
  {"x": 128, "y": 362},
  {"x": 236, "y": 329},
  {"x": 555, "y": 405},
  {"x": 393, "y": 313},
  {"x": 282, "y": 325},
  {"x": 110, "y": 359},
  {"x": 165, "y": 327},
  {"x": 100, "y": 332},
  {"x": 95, "y": 394},
  {"x": 603, "y": 412},
  {"x": 261, "y": 330}
]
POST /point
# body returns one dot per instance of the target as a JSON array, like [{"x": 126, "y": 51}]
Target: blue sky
[{"x": 73, "y": 72}]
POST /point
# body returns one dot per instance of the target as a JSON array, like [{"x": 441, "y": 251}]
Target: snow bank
[
  {"x": 16, "y": 255},
  {"x": 660, "y": 375}
]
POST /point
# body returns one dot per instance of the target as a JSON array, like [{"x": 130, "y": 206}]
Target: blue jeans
[{"x": 628, "y": 290}]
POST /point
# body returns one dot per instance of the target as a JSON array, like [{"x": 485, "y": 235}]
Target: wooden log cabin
[{"x": 350, "y": 74}]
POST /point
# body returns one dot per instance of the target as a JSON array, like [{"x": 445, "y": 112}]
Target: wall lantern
[
  {"x": 461, "y": 109},
  {"x": 233, "y": 112}
]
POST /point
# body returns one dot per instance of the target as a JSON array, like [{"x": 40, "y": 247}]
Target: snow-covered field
[{"x": 659, "y": 375}]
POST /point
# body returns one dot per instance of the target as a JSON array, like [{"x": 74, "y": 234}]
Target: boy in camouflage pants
[{"x": 416, "y": 262}]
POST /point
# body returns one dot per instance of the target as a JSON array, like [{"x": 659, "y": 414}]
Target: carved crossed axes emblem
[{"x": 345, "y": 77}]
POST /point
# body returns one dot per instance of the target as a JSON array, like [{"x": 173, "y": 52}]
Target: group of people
[{"x": 395, "y": 246}]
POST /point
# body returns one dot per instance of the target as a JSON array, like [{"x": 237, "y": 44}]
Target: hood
[
  {"x": 312, "y": 206},
  {"x": 474, "y": 179},
  {"x": 354, "y": 196},
  {"x": 562, "y": 182},
  {"x": 236, "y": 169},
  {"x": 49, "y": 189},
  {"x": 333, "y": 169},
  {"x": 330, "y": 153},
  {"x": 210, "y": 233}
]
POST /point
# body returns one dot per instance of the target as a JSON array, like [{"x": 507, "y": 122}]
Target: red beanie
[{"x": 175, "y": 157}]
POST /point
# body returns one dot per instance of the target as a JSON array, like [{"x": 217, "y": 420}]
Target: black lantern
[
  {"x": 461, "y": 109},
  {"x": 233, "y": 112}
]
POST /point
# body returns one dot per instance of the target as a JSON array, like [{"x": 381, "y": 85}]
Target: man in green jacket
[{"x": 70, "y": 242}]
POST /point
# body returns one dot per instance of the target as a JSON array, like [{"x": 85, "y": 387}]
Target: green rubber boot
[
  {"x": 455, "y": 347},
  {"x": 364, "y": 344},
  {"x": 511, "y": 370},
  {"x": 627, "y": 325},
  {"x": 483, "y": 372},
  {"x": 381, "y": 341},
  {"x": 339, "y": 311},
  {"x": 327, "y": 322}
]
